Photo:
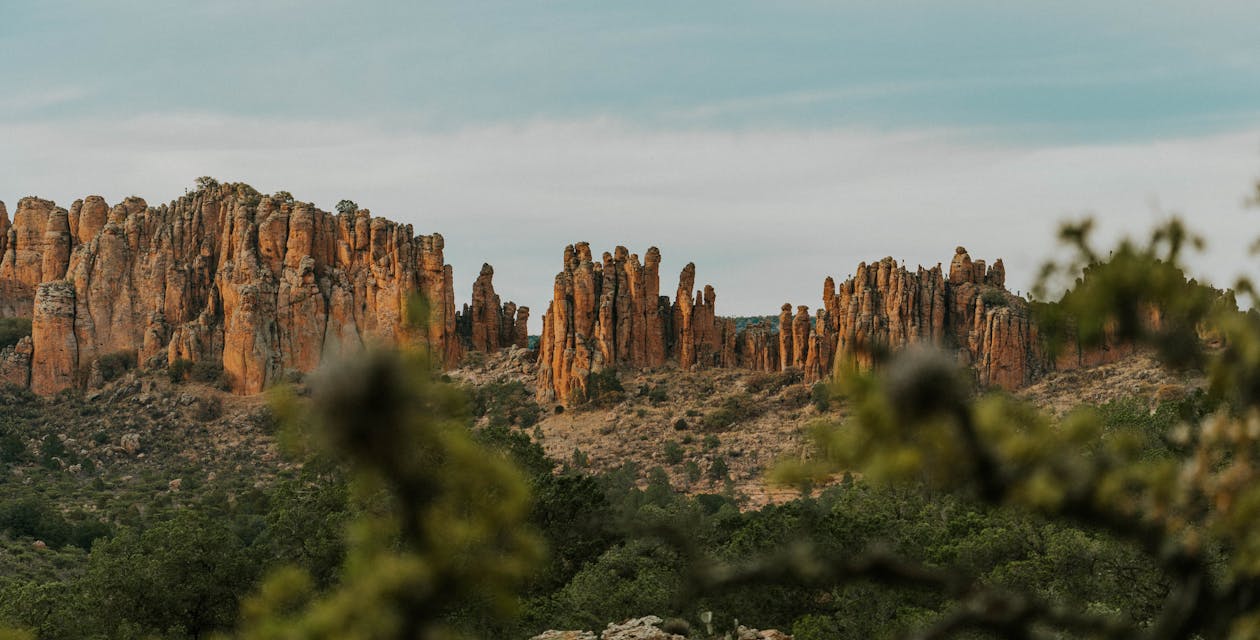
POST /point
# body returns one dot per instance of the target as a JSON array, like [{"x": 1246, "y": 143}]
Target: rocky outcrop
[
  {"x": 257, "y": 284},
  {"x": 55, "y": 357},
  {"x": 485, "y": 325},
  {"x": 15, "y": 363},
  {"x": 649, "y": 628},
  {"x": 885, "y": 307},
  {"x": 611, "y": 313}
]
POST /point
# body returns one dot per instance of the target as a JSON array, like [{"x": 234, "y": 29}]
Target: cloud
[
  {"x": 26, "y": 101},
  {"x": 765, "y": 214}
]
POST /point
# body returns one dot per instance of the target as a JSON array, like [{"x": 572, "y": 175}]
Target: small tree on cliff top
[{"x": 347, "y": 207}]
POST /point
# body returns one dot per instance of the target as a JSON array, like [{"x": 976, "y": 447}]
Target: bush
[
  {"x": 673, "y": 452},
  {"x": 680, "y": 425},
  {"x": 656, "y": 394},
  {"x": 733, "y": 409},
  {"x": 993, "y": 298},
  {"x": 208, "y": 372},
  {"x": 718, "y": 471},
  {"x": 505, "y": 403},
  {"x": 796, "y": 396},
  {"x": 820, "y": 395},
  {"x": 12, "y": 330},
  {"x": 117, "y": 363},
  {"x": 179, "y": 369},
  {"x": 604, "y": 388},
  {"x": 775, "y": 381},
  {"x": 12, "y": 449}
]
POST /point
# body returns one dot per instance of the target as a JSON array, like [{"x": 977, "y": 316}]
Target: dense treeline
[{"x": 185, "y": 572}]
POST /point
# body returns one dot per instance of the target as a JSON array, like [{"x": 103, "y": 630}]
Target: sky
[{"x": 772, "y": 143}]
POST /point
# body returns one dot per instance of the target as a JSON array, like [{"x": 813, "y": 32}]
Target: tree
[
  {"x": 206, "y": 182},
  {"x": 347, "y": 207},
  {"x": 181, "y": 577}
]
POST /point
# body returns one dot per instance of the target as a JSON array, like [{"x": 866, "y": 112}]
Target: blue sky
[{"x": 764, "y": 140}]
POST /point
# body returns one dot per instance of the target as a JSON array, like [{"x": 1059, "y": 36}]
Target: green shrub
[
  {"x": 733, "y": 409},
  {"x": 117, "y": 363},
  {"x": 796, "y": 396},
  {"x": 505, "y": 404},
  {"x": 820, "y": 395},
  {"x": 673, "y": 452},
  {"x": 179, "y": 369},
  {"x": 993, "y": 298},
  {"x": 12, "y": 330},
  {"x": 773, "y": 382},
  {"x": 604, "y": 388},
  {"x": 208, "y": 371},
  {"x": 656, "y": 394},
  {"x": 718, "y": 471},
  {"x": 12, "y": 449}
]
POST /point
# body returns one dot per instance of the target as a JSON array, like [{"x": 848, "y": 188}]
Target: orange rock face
[
  {"x": 611, "y": 313},
  {"x": 485, "y": 325},
  {"x": 223, "y": 274}
]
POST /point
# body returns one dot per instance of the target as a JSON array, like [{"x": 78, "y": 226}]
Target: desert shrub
[
  {"x": 117, "y": 363},
  {"x": 820, "y": 396},
  {"x": 53, "y": 452},
  {"x": 179, "y": 369},
  {"x": 733, "y": 409},
  {"x": 12, "y": 330},
  {"x": 656, "y": 394},
  {"x": 604, "y": 388},
  {"x": 993, "y": 298},
  {"x": 711, "y": 442},
  {"x": 796, "y": 396},
  {"x": 680, "y": 425},
  {"x": 673, "y": 452},
  {"x": 505, "y": 403},
  {"x": 773, "y": 382},
  {"x": 207, "y": 409},
  {"x": 12, "y": 448},
  {"x": 718, "y": 471},
  {"x": 209, "y": 372}
]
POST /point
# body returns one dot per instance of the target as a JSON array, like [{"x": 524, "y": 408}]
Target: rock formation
[
  {"x": 611, "y": 313},
  {"x": 257, "y": 284},
  {"x": 485, "y": 325},
  {"x": 885, "y": 307}
]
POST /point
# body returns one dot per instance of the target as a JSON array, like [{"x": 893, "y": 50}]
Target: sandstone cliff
[
  {"x": 885, "y": 307},
  {"x": 485, "y": 325},
  {"x": 261, "y": 285},
  {"x": 611, "y": 313}
]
